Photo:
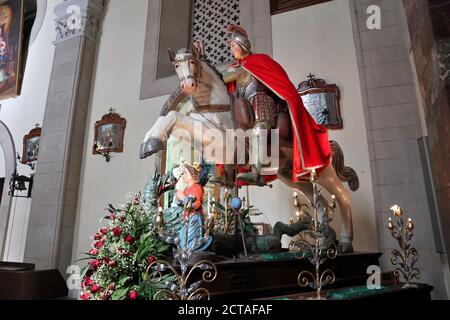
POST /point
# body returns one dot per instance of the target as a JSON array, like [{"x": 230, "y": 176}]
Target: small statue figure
[{"x": 192, "y": 199}]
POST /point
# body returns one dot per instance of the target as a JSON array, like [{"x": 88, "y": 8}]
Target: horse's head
[{"x": 188, "y": 67}]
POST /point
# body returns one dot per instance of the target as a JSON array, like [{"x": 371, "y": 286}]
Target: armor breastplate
[
  {"x": 259, "y": 97},
  {"x": 248, "y": 85}
]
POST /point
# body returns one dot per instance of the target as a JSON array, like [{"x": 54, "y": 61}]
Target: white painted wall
[
  {"x": 21, "y": 114},
  {"x": 116, "y": 84},
  {"x": 319, "y": 39},
  {"x": 324, "y": 44}
]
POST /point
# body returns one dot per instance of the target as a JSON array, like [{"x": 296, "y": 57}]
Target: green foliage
[{"x": 121, "y": 253}]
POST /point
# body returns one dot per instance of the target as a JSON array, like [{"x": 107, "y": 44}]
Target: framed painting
[
  {"x": 11, "y": 29},
  {"x": 31, "y": 141},
  {"x": 322, "y": 101},
  {"x": 109, "y": 133}
]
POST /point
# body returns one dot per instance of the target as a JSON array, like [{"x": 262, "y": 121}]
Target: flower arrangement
[{"x": 121, "y": 253}]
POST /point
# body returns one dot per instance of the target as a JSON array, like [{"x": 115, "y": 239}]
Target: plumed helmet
[{"x": 240, "y": 36}]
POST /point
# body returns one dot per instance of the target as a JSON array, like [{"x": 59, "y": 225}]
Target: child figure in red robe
[{"x": 194, "y": 190}]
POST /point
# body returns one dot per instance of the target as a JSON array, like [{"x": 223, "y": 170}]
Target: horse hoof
[
  {"x": 150, "y": 147},
  {"x": 345, "y": 247}
]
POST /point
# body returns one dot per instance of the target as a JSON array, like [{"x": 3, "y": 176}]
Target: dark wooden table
[
  {"x": 390, "y": 293},
  {"x": 256, "y": 278}
]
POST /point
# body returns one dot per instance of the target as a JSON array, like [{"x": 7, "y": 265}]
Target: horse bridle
[{"x": 197, "y": 74}]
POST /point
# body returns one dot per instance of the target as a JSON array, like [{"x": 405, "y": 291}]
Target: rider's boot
[{"x": 259, "y": 142}]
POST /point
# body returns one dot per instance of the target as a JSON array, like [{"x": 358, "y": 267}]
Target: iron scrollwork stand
[
  {"x": 319, "y": 249},
  {"x": 405, "y": 259}
]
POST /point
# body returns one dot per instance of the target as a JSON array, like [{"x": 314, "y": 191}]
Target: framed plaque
[{"x": 322, "y": 101}]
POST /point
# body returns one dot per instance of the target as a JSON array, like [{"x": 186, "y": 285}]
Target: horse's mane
[{"x": 209, "y": 64}]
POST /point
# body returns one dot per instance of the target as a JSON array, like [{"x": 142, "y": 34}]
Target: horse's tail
[{"x": 344, "y": 173}]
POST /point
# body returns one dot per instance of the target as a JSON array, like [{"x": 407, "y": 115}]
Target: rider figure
[
  {"x": 261, "y": 99},
  {"x": 265, "y": 85}
]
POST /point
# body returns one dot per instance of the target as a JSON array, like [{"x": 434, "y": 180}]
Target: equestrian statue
[{"x": 253, "y": 94}]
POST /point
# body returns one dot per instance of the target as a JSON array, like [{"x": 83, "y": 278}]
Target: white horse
[{"x": 211, "y": 110}]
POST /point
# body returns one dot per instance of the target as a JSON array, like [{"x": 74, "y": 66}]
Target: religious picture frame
[
  {"x": 30, "y": 152},
  {"x": 109, "y": 134},
  {"x": 11, "y": 36},
  {"x": 322, "y": 101}
]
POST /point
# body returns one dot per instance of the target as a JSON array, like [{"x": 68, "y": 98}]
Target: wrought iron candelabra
[
  {"x": 181, "y": 286},
  {"x": 404, "y": 259},
  {"x": 318, "y": 250}
]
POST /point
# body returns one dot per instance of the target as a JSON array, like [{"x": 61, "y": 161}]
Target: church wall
[
  {"x": 20, "y": 115},
  {"x": 117, "y": 85},
  {"x": 319, "y": 40},
  {"x": 117, "y": 79}
]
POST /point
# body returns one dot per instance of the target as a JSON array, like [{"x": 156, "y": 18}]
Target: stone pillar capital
[{"x": 75, "y": 18}]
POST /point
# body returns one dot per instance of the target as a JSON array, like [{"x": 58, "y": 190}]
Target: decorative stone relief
[{"x": 78, "y": 18}]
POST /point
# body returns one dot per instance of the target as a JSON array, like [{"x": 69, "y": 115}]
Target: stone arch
[{"x": 9, "y": 151}]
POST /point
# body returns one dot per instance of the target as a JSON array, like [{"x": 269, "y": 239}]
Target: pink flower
[
  {"x": 85, "y": 296},
  {"x": 104, "y": 231},
  {"x": 117, "y": 231},
  {"x": 93, "y": 252},
  {"x": 112, "y": 287},
  {"x": 112, "y": 216},
  {"x": 129, "y": 239},
  {"x": 133, "y": 295},
  {"x": 123, "y": 252},
  {"x": 151, "y": 259}
]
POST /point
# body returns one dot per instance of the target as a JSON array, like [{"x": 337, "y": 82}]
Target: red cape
[{"x": 311, "y": 146}]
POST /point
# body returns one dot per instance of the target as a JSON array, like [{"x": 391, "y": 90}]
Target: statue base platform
[{"x": 262, "y": 276}]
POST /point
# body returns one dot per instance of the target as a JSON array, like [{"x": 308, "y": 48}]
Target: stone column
[
  {"x": 393, "y": 120},
  {"x": 55, "y": 195}
]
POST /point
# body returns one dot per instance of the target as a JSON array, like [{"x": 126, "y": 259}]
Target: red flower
[
  {"x": 151, "y": 259},
  {"x": 93, "y": 252},
  {"x": 98, "y": 236},
  {"x": 123, "y": 252},
  {"x": 129, "y": 239},
  {"x": 104, "y": 231},
  {"x": 99, "y": 244},
  {"x": 95, "y": 288},
  {"x": 117, "y": 231},
  {"x": 95, "y": 264},
  {"x": 134, "y": 295},
  {"x": 85, "y": 296},
  {"x": 112, "y": 264},
  {"x": 88, "y": 282}
]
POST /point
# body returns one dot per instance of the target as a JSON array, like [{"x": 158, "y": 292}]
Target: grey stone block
[
  {"x": 394, "y": 116},
  {"x": 394, "y": 95},
  {"x": 384, "y": 55},
  {"x": 43, "y": 215},
  {"x": 389, "y": 74}
]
